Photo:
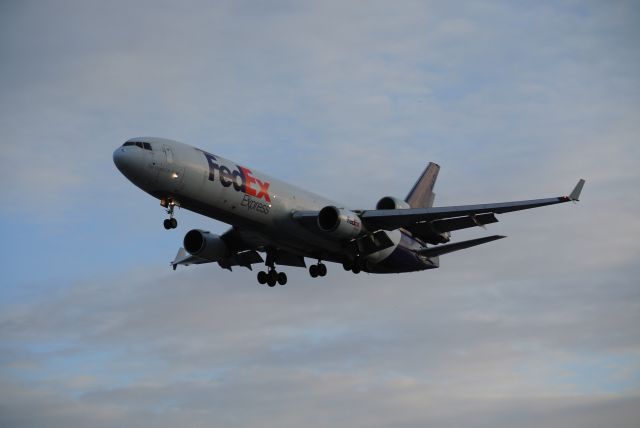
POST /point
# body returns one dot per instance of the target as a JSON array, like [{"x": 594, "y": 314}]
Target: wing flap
[
  {"x": 247, "y": 258},
  {"x": 457, "y": 223},
  {"x": 425, "y": 228},
  {"x": 456, "y": 246},
  {"x": 289, "y": 259}
]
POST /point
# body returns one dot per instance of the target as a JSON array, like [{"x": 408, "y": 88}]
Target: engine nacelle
[
  {"x": 339, "y": 223},
  {"x": 391, "y": 203},
  {"x": 205, "y": 245}
]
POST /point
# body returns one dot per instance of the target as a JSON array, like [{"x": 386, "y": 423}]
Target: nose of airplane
[{"x": 125, "y": 162}]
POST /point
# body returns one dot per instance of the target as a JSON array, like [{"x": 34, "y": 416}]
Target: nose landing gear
[
  {"x": 170, "y": 223},
  {"x": 169, "y": 204}
]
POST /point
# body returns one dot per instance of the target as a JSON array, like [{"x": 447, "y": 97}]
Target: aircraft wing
[
  {"x": 455, "y": 215},
  {"x": 242, "y": 258}
]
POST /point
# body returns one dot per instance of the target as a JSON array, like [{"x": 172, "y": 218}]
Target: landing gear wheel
[
  {"x": 262, "y": 277},
  {"x": 282, "y": 278},
  {"x": 322, "y": 269},
  {"x": 347, "y": 266},
  {"x": 356, "y": 269},
  {"x": 170, "y": 223},
  {"x": 272, "y": 278},
  {"x": 313, "y": 271}
]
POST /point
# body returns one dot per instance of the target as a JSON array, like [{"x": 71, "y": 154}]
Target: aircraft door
[
  {"x": 168, "y": 153},
  {"x": 174, "y": 168}
]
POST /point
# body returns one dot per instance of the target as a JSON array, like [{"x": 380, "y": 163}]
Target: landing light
[{"x": 174, "y": 175}]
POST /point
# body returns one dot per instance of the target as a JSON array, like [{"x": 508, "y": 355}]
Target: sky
[{"x": 349, "y": 99}]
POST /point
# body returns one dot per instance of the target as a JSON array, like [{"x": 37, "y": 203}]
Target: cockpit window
[{"x": 146, "y": 146}]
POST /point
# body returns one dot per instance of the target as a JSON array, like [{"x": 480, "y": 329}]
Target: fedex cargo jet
[{"x": 288, "y": 224}]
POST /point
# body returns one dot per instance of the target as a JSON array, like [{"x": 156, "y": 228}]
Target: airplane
[{"x": 289, "y": 224}]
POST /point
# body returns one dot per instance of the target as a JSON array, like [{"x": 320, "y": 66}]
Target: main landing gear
[
  {"x": 272, "y": 277},
  {"x": 353, "y": 267},
  {"x": 169, "y": 223},
  {"x": 318, "y": 270}
]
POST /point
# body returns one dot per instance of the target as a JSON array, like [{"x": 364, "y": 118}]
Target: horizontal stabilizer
[{"x": 456, "y": 246}]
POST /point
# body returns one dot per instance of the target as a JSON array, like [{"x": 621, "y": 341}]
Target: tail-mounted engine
[
  {"x": 340, "y": 223},
  {"x": 391, "y": 203},
  {"x": 205, "y": 245}
]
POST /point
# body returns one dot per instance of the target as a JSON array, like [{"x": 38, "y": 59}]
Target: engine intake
[
  {"x": 391, "y": 203},
  {"x": 339, "y": 223},
  {"x": 205, "y": 245}
]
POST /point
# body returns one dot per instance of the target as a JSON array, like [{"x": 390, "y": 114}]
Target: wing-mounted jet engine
[
  {"x": 346, "y": 225},
  {"x": 205, "y": 245},
  {"x": 391, "y": 203},
  {"x": 340, "y": 223}
]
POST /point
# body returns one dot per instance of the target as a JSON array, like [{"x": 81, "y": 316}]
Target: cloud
[
  {"x": 419, "y": 79},
  {"x": 142, "y": 346},
  {"x": 349, "y": 100}
]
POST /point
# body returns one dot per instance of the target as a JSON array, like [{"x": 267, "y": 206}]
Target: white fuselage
[{"x": 222, "y": 189}]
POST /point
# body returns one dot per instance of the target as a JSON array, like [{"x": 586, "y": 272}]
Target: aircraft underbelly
[{"x": 403, "y": 258}]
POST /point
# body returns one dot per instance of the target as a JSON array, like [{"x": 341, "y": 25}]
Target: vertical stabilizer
[{"x": 421, "y": 195}]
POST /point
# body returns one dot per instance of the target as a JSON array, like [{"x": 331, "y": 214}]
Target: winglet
[{"x": 575, "y": 194}]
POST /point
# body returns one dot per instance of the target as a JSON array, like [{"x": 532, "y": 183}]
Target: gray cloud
[
  {"x": 415, "y": 350},
  {"x": 425, "y": 79}
]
